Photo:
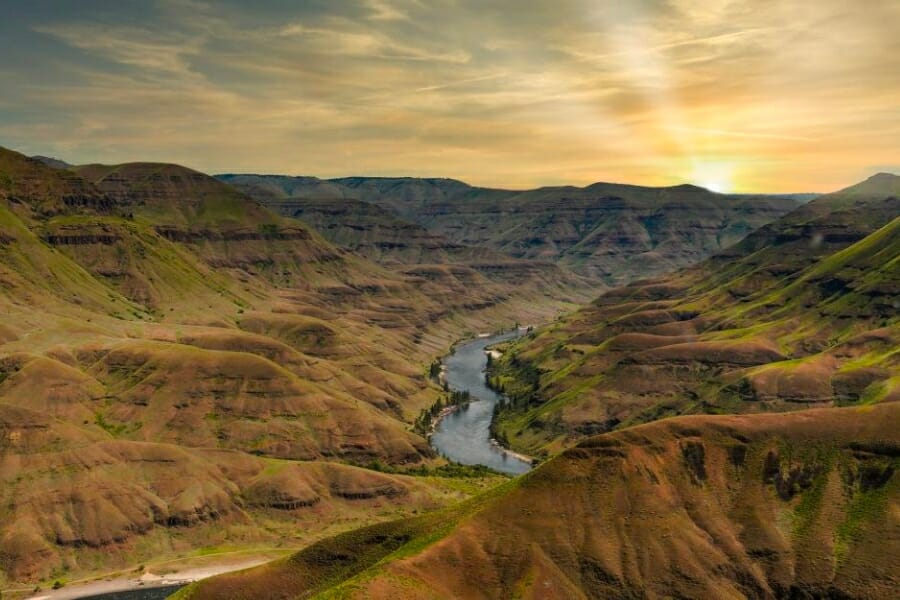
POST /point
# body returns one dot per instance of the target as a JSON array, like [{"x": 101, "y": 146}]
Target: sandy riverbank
[{"x": 160, "y": 576}]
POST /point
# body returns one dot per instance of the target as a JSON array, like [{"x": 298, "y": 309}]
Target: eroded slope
[
  {"x": 801, "y": 313},
  {"x": 750, "y": 506}
]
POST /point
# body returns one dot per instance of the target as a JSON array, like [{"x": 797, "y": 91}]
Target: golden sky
[{"x": 749, "y": 96}]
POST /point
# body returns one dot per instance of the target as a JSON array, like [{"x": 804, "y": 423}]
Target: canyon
[{"x": 190, "y": 364}]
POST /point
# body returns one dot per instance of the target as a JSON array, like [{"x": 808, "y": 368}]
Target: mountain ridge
[
  {"x": 613, "y": 233},
  {"x": 768, "y": 324}
]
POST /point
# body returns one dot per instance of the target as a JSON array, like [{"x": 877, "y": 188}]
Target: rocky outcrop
[{"x": 195, "y": 236}]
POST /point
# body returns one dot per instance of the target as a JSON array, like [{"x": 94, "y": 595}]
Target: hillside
[
  {"x": 376, "y": 233},
  {"x": 797, "y": 320},
  {"x": 752, "y": 506},
  {"x": 608, "y": 232},
  {"x": 93, "y": 501},
  {"x": 407, "y": 248},
  {"x": 156, "y": 323},
  {"x": 801, "y": 313}
]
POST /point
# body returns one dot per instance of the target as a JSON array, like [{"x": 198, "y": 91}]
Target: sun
[
  {"x": 715, "y": 186},
  {"x": 714, "y": 176}
]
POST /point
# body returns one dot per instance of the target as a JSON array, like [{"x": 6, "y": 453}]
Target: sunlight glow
[{"x": 714, "y": 176}]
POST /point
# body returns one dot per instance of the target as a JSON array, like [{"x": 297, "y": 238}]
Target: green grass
[
  {"x": 879, "y": 391},
  {"x": 866, "y": 508},
  {"x": 117, "y": 430}
]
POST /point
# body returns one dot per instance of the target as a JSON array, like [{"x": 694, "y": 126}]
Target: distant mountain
[
  {"x": 377, "y": 233},
  {"x": 801, "y": 198},
  {"x": 610, "y": 232}
]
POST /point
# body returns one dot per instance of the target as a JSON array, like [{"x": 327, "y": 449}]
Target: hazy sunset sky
[{"x": 764, "y": 95}]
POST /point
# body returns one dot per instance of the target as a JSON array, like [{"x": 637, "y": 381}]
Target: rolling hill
[
  {"x": 752, "y": 506},
  {"x": 157, "y": 322},
  {"x": 801, "y": 313}
]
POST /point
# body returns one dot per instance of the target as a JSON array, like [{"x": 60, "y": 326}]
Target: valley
[
  {"x": 191, "y": 367},
  {"x": 728, "y": 430},
  {"x": 800, "y": 314},
  {"x": 173, "y": 353},
  {"x": 411, "y": 300}
]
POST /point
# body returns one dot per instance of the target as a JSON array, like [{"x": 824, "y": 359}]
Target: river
[
  {"x": 160, "y": 592},
  {"x": 464, "y": 435}
]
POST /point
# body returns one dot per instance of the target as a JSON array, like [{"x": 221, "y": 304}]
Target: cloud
[
  {"x": 382, "y": 10},
  {"x": 785, "y": 96},
  {"x": 128, "y": 45},
  {"x": 742, "y": 134},
  {"x": 366, "y": 44}
]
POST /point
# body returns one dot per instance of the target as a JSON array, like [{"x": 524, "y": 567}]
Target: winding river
[{"x": 464, "y": 435}]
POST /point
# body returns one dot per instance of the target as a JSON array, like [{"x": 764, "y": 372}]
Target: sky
[{"x": 745, "y": 96}]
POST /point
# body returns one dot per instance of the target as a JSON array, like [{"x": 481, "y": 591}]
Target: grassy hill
[
  {"x": 182, "y": 369},
  {"x": 801, "y": 313},
  {"x": 751, "y": 506},
  {"x": 156, "y": 323}
]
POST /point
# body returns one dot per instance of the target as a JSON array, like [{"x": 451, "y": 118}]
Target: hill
[
  {"x": 376, "y": 233},
  {"x": 610, "y": 232},
  {"x": 796, "y": 320},
  {"x": 56, "y": 163},
  {"x": 156, "y": 322},
  {"x": 752, "y": 506},
  {"x": 801, "y": 313}
]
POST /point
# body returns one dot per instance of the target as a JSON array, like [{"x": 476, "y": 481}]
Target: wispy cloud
[
  {"x": 742, "y": 134},
  {"x": 383, "y": 10},
  {"x": 367, "y": 44},
  {"x": 459, "y": 82},
  {"x": 139, "y": 48},
  {"x": 796, "y": 96}
]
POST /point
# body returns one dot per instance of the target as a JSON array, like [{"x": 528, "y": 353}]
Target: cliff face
[
  {"x": 376, "y": 233},
  {"x": 32, "y": 190}
]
